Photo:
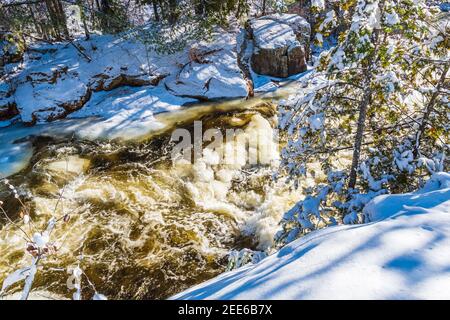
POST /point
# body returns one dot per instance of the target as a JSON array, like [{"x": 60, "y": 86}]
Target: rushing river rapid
[{"x": 143, "y": 226}]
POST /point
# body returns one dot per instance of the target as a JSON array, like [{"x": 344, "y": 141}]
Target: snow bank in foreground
[{"x": 403, "y": 254}]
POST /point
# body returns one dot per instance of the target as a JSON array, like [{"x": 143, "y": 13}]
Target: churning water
[{"x": 142, "y": 226}]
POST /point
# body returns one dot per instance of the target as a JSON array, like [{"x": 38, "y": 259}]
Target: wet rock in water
[
  {"x": 212, "y": 72},
  {"x": 281, "y": 44}
]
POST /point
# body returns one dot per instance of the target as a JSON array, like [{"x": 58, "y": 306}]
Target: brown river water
[{"x": 142, "y": 226}]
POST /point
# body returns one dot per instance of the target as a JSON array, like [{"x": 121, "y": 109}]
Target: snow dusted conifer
[
  {"x": 370, "y": 100},
  {"x": 330, "y": 18}
]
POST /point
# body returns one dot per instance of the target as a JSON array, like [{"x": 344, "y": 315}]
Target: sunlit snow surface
[{"x": 403, "y": 254}]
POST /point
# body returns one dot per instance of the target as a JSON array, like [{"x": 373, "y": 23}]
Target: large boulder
[
  {"x": 58, "y": 80},
  {"x": 212, "y": 72},
  {"x": 281, "y": 44},
  {"x": 46, "y": 96}
]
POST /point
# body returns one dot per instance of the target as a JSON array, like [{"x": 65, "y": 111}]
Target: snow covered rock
[
  {"x": 404, "y": 253},
  {"x": 212, "y": 72},
  {"x": 7, "y": 105},
  {"x": 55, "y": 80},
  {"x": 280, "y": 44},
  {"x": 58, "y": 79},
  {"x": 55, "y": 93},
  {"x": 49, "y": 96}
]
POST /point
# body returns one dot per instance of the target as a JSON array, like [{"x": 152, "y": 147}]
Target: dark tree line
[{"x": 48, "y": 19}]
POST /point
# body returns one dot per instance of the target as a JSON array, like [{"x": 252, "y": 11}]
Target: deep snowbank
[{"x": 403, "y": 254}]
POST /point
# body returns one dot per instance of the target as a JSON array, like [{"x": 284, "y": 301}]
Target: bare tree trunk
[
  {"x": 172, "y": 11},
  {"x": 53, "y": 18},
  {"x": 429, "y": 108},
  {"x": 57, "y": 18},
  {"x": 106, "y": 11},
  {"x": 35, "y": 22},
  {"x": 85, "y": 27},
  {"x": 83, "y": 19},
  {"x": 62, "y": 18},
  {"x": 155, "y": 10},
  {"x": 363, "y": 108}
]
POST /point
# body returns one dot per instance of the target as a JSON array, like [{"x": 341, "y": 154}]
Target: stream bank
[{"x": 142, "y": 226}]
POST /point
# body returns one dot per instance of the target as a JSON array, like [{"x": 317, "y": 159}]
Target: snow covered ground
[
  {"x": 55, "y": 80},
  {"x": 404, "y": 253}
]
